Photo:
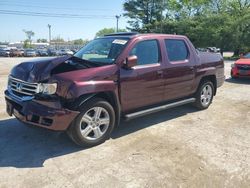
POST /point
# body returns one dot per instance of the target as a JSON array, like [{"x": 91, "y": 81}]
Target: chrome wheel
[
  {"x": 94, "y": 123},
  {"x": 206, "y": 95}
]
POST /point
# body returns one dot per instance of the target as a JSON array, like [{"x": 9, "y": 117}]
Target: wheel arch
[
  {"x": 211, "y": 78},
  {"x": 109, "y": 96}
]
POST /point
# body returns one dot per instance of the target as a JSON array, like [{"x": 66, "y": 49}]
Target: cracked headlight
[{"x": 48, "y": 89}]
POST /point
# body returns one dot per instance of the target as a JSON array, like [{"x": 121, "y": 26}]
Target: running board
[{"x": 159, "y": 108}]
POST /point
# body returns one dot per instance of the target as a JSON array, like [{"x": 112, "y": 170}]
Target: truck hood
[
  {"x": 68, "y": 74},
  {"x": 37, "y": 70},
  {"x": 72, "y": 84}
]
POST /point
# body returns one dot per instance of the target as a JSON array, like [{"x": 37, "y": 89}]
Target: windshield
[
  {"x": 102, "y": 50},
  {"x": 247, "y": 56}
]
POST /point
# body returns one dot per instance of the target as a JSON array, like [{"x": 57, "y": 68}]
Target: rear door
[
  {"x": 180, "y": 72},
  {"x": 143, "y": 85}
]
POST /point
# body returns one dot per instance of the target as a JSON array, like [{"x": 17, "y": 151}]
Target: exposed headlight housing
[{"x": 48, "y": 89}]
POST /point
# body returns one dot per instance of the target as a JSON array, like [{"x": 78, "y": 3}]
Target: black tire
[
  {"x": 199, "y": 103},
  {"x": 74, "y": 131}
]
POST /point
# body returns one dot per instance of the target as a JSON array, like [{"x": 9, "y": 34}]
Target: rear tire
[
  {"x": 94, "y": 124},
  {"x": 204, "y": 95}
]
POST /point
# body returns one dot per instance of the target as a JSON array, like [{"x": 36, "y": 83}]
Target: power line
[
  {"x": 45, "y": 14},
  {"x": 54, "y": 3},
  {"x": 49, "y": 7}
]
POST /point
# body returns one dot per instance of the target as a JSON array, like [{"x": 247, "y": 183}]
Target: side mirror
[{"x": 131, "y": 61}]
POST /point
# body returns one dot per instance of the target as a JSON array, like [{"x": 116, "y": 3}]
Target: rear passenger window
[
  {"x": 147, "y": 52},
  {"x": 176, "y": 49}
]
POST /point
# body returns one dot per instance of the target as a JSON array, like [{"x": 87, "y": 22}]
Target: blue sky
[{"x": 103, "y": 11}]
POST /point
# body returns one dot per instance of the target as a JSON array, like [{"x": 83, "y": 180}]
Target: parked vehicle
[
  {"x": 42, "y": 52},
  {"x": 213, "y": 49},
  {"x": 30, "y": 53},
  {"x": 75, "y": 50},
  {"x": 22, "y": 51},
  {"x": 5, "y": 52},
  {"x": 241, "y": 68},
  {"x": 65, "y": 52},
  {"x": 202, "y": 49},
  {"x": 16, "y": 53},
  {"x": 52, "y": 52},
  {"x": 37, "y": 53},
  {"x": 88, "y": 93}
]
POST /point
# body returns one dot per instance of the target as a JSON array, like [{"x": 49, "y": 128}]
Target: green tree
[
  {"x": 27, "y": 44},
  {"x": 29, "y": 35},
  {"x": 179, "y": 9},
  {"x": 221, "y": 23},
  {"x": 143, "y": 14},
  {"x": 80, "y": 42},
  {"x": 42, "y": 40},
  {"x": 107, "y": 31},
  {"x": 240, "y": 13},
  {"x": 57, "y": 39}
]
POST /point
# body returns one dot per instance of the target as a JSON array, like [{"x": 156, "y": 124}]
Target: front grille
[
  {"x": 22, "y": 88},
  {"x": 243, "y": 67}
]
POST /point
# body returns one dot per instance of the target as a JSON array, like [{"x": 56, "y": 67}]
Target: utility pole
[
  {"x": 117, "y": 22},
  {"x": 49, "y": 26},
  {"x": 162, "y": 16}
]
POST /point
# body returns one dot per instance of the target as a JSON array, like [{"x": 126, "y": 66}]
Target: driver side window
[{"x": 147, "y": 52}]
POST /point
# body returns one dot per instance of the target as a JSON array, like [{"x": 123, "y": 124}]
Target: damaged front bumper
[{"x": 46, "y": 114}]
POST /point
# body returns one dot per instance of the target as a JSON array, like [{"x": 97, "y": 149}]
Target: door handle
[
  {"x": 191, "y": 68},
  {"x": 160, "y": 73}
]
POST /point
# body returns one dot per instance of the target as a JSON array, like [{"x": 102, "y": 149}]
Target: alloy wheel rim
[
  {"x": 206, "y": 95},
  {"x": 94, "y": 123}
]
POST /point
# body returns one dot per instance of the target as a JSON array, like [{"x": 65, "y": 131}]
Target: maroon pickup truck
[{"x": 124, "y": 75}]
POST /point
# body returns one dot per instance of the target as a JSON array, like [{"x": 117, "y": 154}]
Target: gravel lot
[{"x": 181, "y": 147}]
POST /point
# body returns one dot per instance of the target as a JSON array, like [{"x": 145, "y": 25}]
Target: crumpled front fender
[{"x": 78, "y": 89}]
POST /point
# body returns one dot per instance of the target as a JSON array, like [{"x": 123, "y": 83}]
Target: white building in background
[
  {"x": 16, "y": 44},
  {"x": 3, "y": 46},
  {"x": 35, "y": 44}
]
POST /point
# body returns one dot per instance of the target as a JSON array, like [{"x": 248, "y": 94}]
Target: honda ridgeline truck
[{"x": 124, "y": 75}]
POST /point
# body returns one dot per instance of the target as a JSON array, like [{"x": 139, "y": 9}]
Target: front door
[{"x": 143, "y": 85}]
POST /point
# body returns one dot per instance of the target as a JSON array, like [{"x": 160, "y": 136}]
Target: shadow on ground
[
  {"x": 22, "y": 146},
  {"x": 238, "y": 81}
]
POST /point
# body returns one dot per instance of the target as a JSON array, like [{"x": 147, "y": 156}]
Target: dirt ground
[{"x": 180, "y": 147}]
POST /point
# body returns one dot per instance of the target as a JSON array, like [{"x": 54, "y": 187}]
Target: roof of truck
[{"x": 135, "y": 34}]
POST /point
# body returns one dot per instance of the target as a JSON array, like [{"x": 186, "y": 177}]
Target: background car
[
  {"x": 241, "y": 68},
  {"x": 64, "y": 52},
  {"x": 22, "y": 51},
  {"x": 42, "y": 52},
  {"x": 16, "y": 53},
  {"x": 30, "y": 53},
  {"x": 202, "y": 49},
  {"x": 247, "y": 56},
  {"x": 75, "y": 50},
  {"x": 213, "y": 49},
  {"x": 5, "y": 52},
  {"x": 51, "y": 52}
]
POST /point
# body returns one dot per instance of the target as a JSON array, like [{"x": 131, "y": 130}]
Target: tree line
[
  {"x": 221, "y": 23},
  {"x": 29, "y": 34}
]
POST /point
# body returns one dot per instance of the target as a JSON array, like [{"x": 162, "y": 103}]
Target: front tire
[
  {"x": 204, "y": 95},
  {"x": 94, "y": 124}
]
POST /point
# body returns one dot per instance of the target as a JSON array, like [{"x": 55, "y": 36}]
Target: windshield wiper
[{"x": 83, "y": 61}]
